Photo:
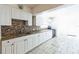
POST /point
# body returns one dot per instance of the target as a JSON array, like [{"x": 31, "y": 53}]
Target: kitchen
[
  {"x": 20, "y": 32},
  {"x": 26, "y": 27}
]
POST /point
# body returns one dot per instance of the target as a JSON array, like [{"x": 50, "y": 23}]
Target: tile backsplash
[{"x": 18, "y": 28}]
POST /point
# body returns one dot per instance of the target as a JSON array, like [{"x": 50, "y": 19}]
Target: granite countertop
[{"x": 20, "y": 35}]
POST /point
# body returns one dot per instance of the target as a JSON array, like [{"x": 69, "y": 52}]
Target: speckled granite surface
[
  {"x": 17, "y": 29},
  {"x": 20, "y": 35}
]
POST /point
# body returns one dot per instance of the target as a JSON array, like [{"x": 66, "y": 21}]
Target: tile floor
[
  {"x": 64, "y": 45},
  {"x": 46, "y": 48}
]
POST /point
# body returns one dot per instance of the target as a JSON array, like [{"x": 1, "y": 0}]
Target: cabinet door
[
  {"x": 25, "y": 45},
  {"x": 49, "y": 34},
  {"x": 17, "y": 14},
  {"x": 46, "y": 36},
  {"x": 24, "y": 15},
  {"x": 39, "y": 38},
  {"x": 43, "y": 37},
  {"x": 30, "y": 45},
  {"x": 35, "y": 40},
  {"x": 6, "y": 47},
  {"x": 5, "y": 17},
  {"x": 20, "y": 47},
  {"x": 30, "y": 42},
  {"x": 13, "y": 48}
]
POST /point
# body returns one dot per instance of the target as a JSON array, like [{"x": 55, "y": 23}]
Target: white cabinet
[
  {"x": 43, "y": 35},
  {"x": 48, "y": 35},
  {"x": 5, "y": 15},
  {"x": 40, "y": 37},
  {"x": 16, "y": 13},
  {"x": 25, "y": 45},
  {"x": 8, "y": 47},
  {"x": 19, "y": 14},
  {"x": 20, "y": 46},
  {"x": 22, "y": 15},
  {"x": 30, "y": 42},
  {"x": 35, "y": 40}
]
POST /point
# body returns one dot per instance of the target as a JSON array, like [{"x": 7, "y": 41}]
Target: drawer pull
[
  {"x": 8, "y": 42},
  {"x": 12, "y": 44}
]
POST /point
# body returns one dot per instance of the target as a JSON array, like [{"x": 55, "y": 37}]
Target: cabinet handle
[
  {"x": 12, "y": 44},
  {"x": 12, "y": 48},
  {"x": 8, "y": 42}
]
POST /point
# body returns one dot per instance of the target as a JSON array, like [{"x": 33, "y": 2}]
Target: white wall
[
  {"x": 68, "y": 20},
  {"x": 41, "y": 20}
]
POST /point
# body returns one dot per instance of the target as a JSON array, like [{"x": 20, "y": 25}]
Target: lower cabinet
[
  {"x": 30, "y": 42},
  {"x": 40, "y": 38},
  {"x": 35, "y": 40},
  {"x": 8, "y": 47},
  {"x": 24, "y": 44},
  {"x": 47, "y": 35},
  {"x": 20, "y": 47}
]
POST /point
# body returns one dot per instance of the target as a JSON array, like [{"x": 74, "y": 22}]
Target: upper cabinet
[
  {"x": 19, "y": 14},
  {"x": 22, "y": 15},
  {"x": 5, "y": 15},
  {"x": 8, "y": 13}
]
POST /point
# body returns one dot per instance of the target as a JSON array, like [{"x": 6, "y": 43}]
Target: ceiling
[
  {"x": 32, "y": 5},
  {"x": 37, "y": 8}
]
